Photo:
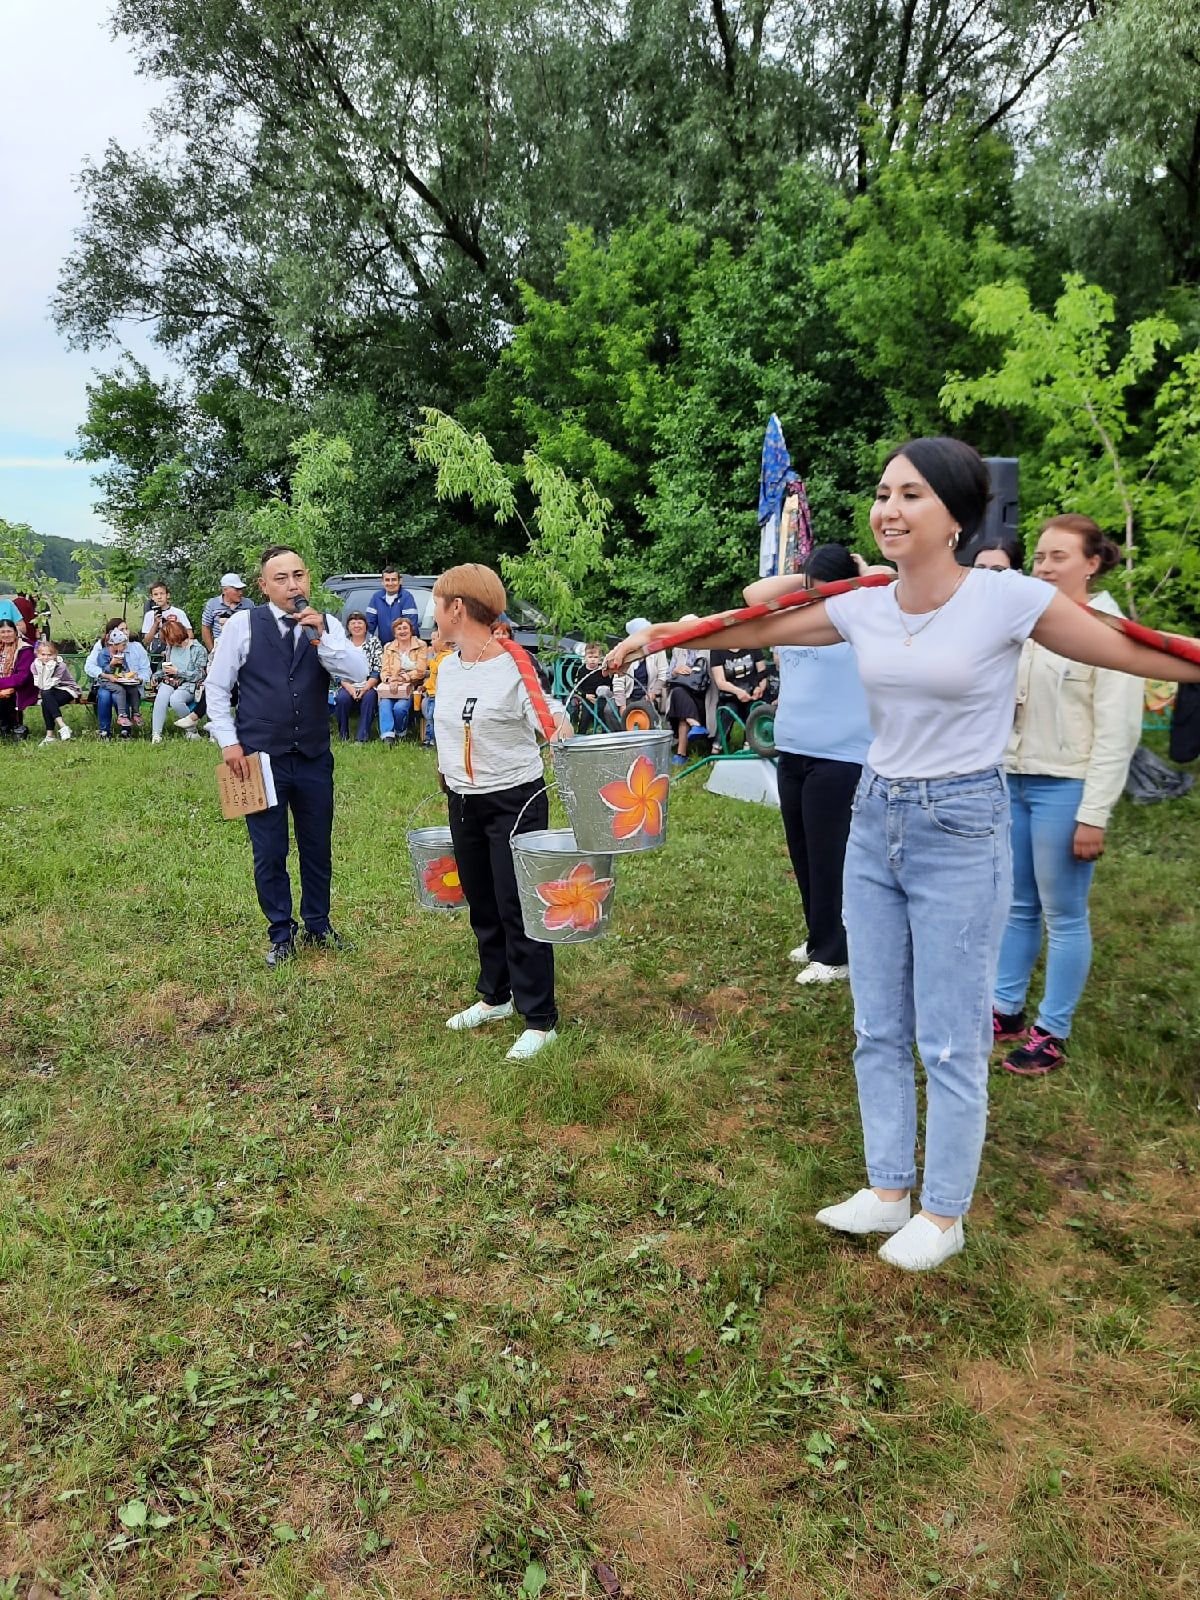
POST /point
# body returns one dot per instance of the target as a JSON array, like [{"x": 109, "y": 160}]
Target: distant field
[{"x": 80, "y": 617}]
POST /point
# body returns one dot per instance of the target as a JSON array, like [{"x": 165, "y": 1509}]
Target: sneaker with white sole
[
  {"x": 475, "y": 1016},
  {"x": 818, "y": 972},
  {"x": 865, "y": 1212},
  {"x": 799, "y": 955},
  {"x": 921, "y": 1244},
  {"x": 49, "y": 739},
  {"x": 188, "y": 721},
  {"x": 64, "y": 732},
  {"x": 530, "y": 1042},
  {"x": 156, "y": 738}
]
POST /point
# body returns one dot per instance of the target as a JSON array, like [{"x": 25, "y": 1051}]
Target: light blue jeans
[
  {"x": 1047, "y": 881},
  {"x": 393, "y": 717},
  {"x": 926, "y": 895}
]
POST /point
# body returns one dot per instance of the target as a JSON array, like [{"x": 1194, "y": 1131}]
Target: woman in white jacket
[{"x": 1074, "y": 732}]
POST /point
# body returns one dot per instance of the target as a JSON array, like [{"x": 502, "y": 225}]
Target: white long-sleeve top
[
  {"x": 1075, "y": 721},
  {"x": 337, "y": 655}
]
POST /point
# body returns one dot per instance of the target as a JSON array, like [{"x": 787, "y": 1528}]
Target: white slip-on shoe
[
  {"x": 799, "y": 955},
  {"x": 188, "y": 721},
  {"x": 475, "y": 1016},
  {"x": 530, "y": 1042},
  {"x": 921, "y": 1244},
  {"x": 64, "y": 732},
  {"x": 818, "y": 972},
  {"x": 865, "y": 1212}
]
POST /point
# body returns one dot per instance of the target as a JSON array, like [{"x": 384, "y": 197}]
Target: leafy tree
[
  {"x": 924, "y": 236},
  {"x": 305, "y": 522},
  {"x": 1116, "y": 169},
  {"x": 1097, "y": 454},
  {"x": 563, "y": 570}
]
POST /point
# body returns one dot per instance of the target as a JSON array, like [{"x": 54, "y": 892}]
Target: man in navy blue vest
[
  {"x": 388, "y": 604},
  {"x": 282, "y": 659}
]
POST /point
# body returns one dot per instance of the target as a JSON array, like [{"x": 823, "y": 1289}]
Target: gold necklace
[
  {"x": 911, "y": 633},
  {"x": 469, "y": 666}
]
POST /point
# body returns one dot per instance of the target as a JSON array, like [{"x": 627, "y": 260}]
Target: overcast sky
[{"x": 65, "y": 89}]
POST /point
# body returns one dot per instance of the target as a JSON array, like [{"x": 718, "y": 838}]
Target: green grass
[{"x": 302, "y": 1296}]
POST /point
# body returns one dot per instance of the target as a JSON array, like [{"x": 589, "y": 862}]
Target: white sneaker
[
  {"x": 156, "y": 738},
  {"x": 64, "y": 732},
  {"x": 865, "y": 1212},
  {"x": 190, "y": 721},
  {"x": 921, "y": 1244},
  {"x": 190, "y": 733},
  {"x": 49, "y": 739},
  {"x": 799, "y": 955},
  {"x": 530, "y": 1042},
  {"x": 818, "y": 972},
  {"x": 475, "y": 1016}
]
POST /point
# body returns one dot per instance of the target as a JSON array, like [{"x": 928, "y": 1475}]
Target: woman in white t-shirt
[
  {"x": 928, "y": 870},
  {"x": 491, "y": 768}
]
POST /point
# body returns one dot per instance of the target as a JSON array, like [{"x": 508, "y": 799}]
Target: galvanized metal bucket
[
  {"x": 435, "y": 871},
  {"x": 615, "y": 787},
  {"x": 566, "y": 893}
]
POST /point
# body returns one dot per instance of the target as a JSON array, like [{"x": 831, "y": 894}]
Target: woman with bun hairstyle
[
  {"x": 928, "y": 867},
  {"x": 999, "y": 549},
  {"x": 822, "y": 732},
  {"x": 490, "y": 708},
  {"x": 1074, "y": 734}
]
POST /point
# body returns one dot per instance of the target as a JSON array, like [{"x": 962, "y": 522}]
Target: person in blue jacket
[{"x": 388, "y": 604}]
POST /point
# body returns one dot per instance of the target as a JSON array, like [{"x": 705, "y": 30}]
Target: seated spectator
[
  {"x": 644, "y": 679},
  {"x": 437, "y": 654},
  {"x": 16, "y": 681},
  {"x": 741, "y": 679},
  {"x": 177, "y": 682},
  {"x": 97, "y": 664},
  {"x": 404, "y": 668},
  {"x": 502, "y": 628},
  {"x": 26, "y": 604},
  {"x": 221, "y": 607},
  {"x": 688, "y": 679},
  {"x": 388, "y": 604},
  {"x": 364, "y": 695},
  {"x": 56, "y": 687},
  {"x": 10, "y": 611},
  {"x": 998, "y": 548},
  {"x": 159, "y": 610},
  {"x": 595, "y": 685}
]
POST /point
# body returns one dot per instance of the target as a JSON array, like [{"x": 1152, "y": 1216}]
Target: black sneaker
[
  {"x": 282, "y": 950},
  {"x": 329, "y": 940},
  {"x": 1041, "y": 1053},
  {"x": 1007, "y": 1026}
]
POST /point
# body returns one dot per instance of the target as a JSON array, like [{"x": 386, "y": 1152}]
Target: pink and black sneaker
[
  {"x": 1041, "y": 1053},
  {"x": 1006, "y": 1027}
]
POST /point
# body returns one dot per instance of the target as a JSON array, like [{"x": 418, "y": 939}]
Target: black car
[{"x": 530, "y": 627}]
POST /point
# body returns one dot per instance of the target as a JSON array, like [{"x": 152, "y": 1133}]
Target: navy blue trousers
[{"x": 304, "y": 786}]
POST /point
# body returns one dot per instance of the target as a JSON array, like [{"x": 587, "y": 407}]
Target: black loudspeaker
[{"x": 1003, "y": 512}]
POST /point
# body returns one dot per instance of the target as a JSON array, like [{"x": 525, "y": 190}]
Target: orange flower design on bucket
[
  {"x": 575, "y": 901},
  {"x": 440, "y": 879},
  {"x": 637, "y": 800}
]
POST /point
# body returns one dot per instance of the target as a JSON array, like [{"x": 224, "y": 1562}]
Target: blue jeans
[
  {"x": 1047, "y": 882},
  {"x": 925, "y": 900},
  {"x": 393, "y": 717},
  {"x": 427, "y": 712},
  {"x": 104, "y": 707}
]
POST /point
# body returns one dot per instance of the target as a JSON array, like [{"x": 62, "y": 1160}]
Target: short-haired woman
[
  {"x": 177, "y": 681},
  {"x": 364, "y": 694},
  {"x": 489, "y": 714},
  {"x": 928, "y": 863},
  {"x": 1073, "y": 737},
  {"x": 403, "y": 668}
]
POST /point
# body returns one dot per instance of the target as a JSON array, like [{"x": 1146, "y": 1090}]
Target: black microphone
[{"x": 310, "y": 633}]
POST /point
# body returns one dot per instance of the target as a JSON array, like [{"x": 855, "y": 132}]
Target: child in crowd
[
  {"x": 595, "y": 685},
  {"x": 123, "y": 682},
  {"x": 56, "y": 689},
  {"x": 437, "y": 654}
]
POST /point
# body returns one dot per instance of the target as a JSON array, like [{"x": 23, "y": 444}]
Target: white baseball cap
[{"x": 233, "y": 580}]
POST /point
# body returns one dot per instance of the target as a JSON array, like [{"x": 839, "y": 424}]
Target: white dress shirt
[{"x": 337, "y": 655}]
